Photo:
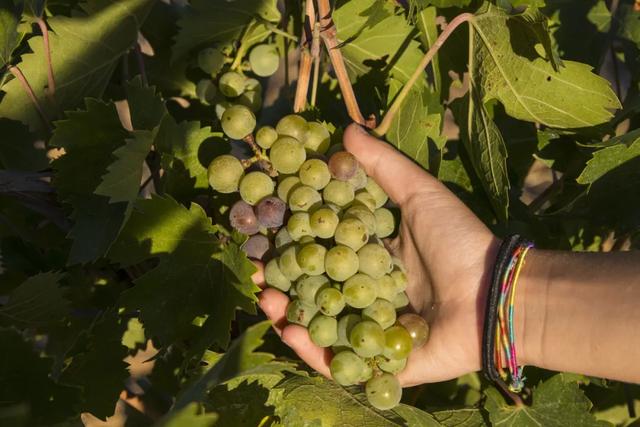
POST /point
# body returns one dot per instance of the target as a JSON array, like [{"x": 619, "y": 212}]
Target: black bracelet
[{"x": 508, "y": 246}]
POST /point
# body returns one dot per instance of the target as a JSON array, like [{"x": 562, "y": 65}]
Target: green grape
[
  {"x": 283, "y": 239},
  {"x": 252, "y": 99},
  {"x": 308, "y": 288},
  {"x": 206, "y": 91},
  {"x": 364, "y": 198},
  {"x": 287, "y": 155},
  {"x": 210, "y": 60},
  {"x": 397, "y": 343},
  {"x": 274, "y": 277},
  {"x": 300, "y": 313},
  {"x": 359, "y": 291},
  {"x": 255, "y": 186},
  {"x": 351, "y": 232},
  {"x": 317, "y": 138},
  {"x": 264, "y": 60},
  {"x": 323, "y": 222},
  {"x": 323, "y": 330},
  {"x": 231, "y": 84},
  {"x": 298, "y": 226},
  {"x": 330, "y": 301},
  {"x": 363, "y": 214},
  {"x": 400, "y": 279},
  {"x": 306, "y": 240},
  {"x": 303, "y": 198},
  {"x": 376, "y": 192},
  {"x": 386, "y": 287},
  {"x": 339, "y": 193},
  {"x": 288, "y": 263},
  {"x": 294, "y": 126},
  {"x": 225, "y": 173},
  {"x": 367, "y": 339},
  {"x": 336, "y": 348},
  {"x": 385, "y": 223},
  {"x": 374, "y": 260},
  {"x": 346, "y": 368},
  {"x": 367, "y": 373},
  {"x": 383, "y": 392},
  {"x": 401, "y": 300},
  {"x": 345, "y": 325},
  {"x": 315, "y": 174},
  {"x": 266, "y": 136},
  {"x": 221, "y": 107},
  {"x": 417, "y": 328},
  {"x": 311, "y": 259},
  {"x": 381, "y": 311},
  {"x": 341, "y": 263},
  {"x": 238, "y": 121},
  {"x": 390, "y": 365},
  {"x": 286, "y": 185},
  {"x": 252, "y": 84},
  {"x": 359, "y": 180}
]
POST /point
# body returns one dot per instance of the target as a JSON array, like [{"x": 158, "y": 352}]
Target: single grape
[
  {"x": 311, "y": 259},
  {"x": 287, "y": 155},
  {"x": 288, "y": 263},
  {"x": 309, "y": 287},
  {"x": 317, "y": 138},
  {"x": 363, "y": 214},
  {"x": 221, "y": 107},
  {"x": 339, "y": 193},
  {"x": 385, "y": 223},
  {"x": 257, "y": 246},
  {"x": 225, "y": 173},
  {"x": 381, "y": 311},
  {"x": 367, "y": 339},
  {"x": 264, "y": 60},
  {"x": 231, "y": 84},
  {"x": 364, "y": 198},
  {"x": 341, "y": 263},
  {"x": 383, "y": 392},
  {"x": 390, "y": 365},
  {"x": 300, "y": 313},
  {"x": 255, "y": 186},
  {"x": 397, "y": 343},
  {"x": 298, "y": 226},
  {"x": 315, "y": 174},
  {"x": 400, "y": 279},
  {"x": 270, "y": 212},
  {"x": 386, "y": 288},
  {"x": 323, "y": 330},
  {"x": 330, "y": 301},
  {"x": 274, "y": 277},
  {"x": 266, "y": 136},
  {"x": 286, "y": 185},
  {"x": 374, "y": 260},
  {"x": 323, "y": 222},
  {"x": 294, "y": 126},
  {"x": 306, "y": 240},
  {"x": 343, "y": 166},
  {"x": 351, "y": 232},
  {"x": 367, "y": 372},
  {"x": 252, "y": 99},
  {"x": 345, "y": 325},
  {"x": 359, "y": 291},
  {"x": 376, "y": 192},
  {"x": 238, "y": 121},
  {"x": 359, "y": 181},
  {"x": 210, "y": 60},
  {"x": 401, "y": 300},
  {"x": 252, "y": 84},
  {"x": 417, "y": 327},
  {"x": 283, "y": 240},
  {"x": 243, "y": 219},
  {"x": 303, "y": 198},
  {"x": 206, "y": 91},
  {"x": 346, "y": 368}
]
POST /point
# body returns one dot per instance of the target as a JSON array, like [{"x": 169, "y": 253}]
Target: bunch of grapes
[{"x": 317, "y": 225}]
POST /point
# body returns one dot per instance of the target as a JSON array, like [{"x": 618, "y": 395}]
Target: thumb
[{"x": 398, "y": 176}]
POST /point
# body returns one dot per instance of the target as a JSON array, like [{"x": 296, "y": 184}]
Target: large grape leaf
[
  {"x": 19, "y": 149},
  {"x": 508, "y": 67},
  {"x": 85, "y": 50},
  {"x": 206, "y": 22},
  {"x": 197, "y": 274},
  {"x": 465, "y": 417},
  {"x": 241, "y": 407},
  {"x": 619, "y": 150},
  {"x": 191, "y": 416},
  {"x": 9, "y": 36},
  {"x": 555, "y": 403},
  {"x": 427, "y": 25}
]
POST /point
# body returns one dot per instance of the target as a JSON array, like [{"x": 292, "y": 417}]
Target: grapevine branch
[
  {"x": 17, "y": 73},
  {"x": 304, "y": 70},
  {"x": 384, "y": 126},
  {"x": 315, "y": 54}
]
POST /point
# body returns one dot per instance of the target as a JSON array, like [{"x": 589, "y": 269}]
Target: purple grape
[
  {"x": 270, "y": 212},
  {"x": 343, "y": 166},
  {"x": 243, "y": 218},
  {"x": 257, "y": 246}
]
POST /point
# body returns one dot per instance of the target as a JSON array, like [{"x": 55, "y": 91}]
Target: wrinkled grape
[
  {"x": 252, "y": 99},
  {"x": 264, "y": 60},
  {"x": 243, "y": 219},
  {"x": 341, "y": 263},
  {"x": 364, "y": 198},
  {"x": 255, "y": 186},
  {"x": 359, "y": 181},
  {"x": 287, "y": 155},
  {"x": 283, "y": 240},
  {"x": 323, "y": 330},
  {"x": 225, "y": 173},
  {"x": 400, "y": 279},
  {"x": 383, "y": 392},
  {"x": 401, "y": 300},
  {"x": 238, "y": 121},
  {"x": 270, "y": 212}
]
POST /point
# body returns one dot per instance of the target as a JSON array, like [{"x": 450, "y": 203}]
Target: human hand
[{"x": 447, "y": 253}]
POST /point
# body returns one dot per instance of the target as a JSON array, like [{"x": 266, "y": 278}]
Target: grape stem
[
  {"x": 385, "y": 124},
  {"x": 17, "y": 73},
  {"x": 315, "y": 53},
  {"x": 328, "y": 33},
  {"x": 141, "y": 67},
  {"x": 51, "y": 82},
  {"x": 304, "y": 69},
  {"x": 258, "y": 157}
]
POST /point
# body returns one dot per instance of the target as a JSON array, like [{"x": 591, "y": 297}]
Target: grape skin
[
  {"x": 294, "y": 126},
  {"x": 308, "y": 288},
  {"x": 231, "y": 84},
  {"x": 363, "y": 213},
  {"x": 397, "y": 343},
  {"x": 386, "y": 288},
  {"x": 390, "y": 365},
  {"x": 338, "y": 192},
  {"x": 238, "y": 121},
  {"x": 341, "y": 263},
  {"x": 299, "y": 313},
  {"x": 367, "y": 339},
  {"x": 359, "y": 291},
  {"x": 417, "y": 327},
  {"x": 400, "y": 280},
  {"x": 351, "y": 232},
  {"x": 243, "y": 219},
  {"x": 343, "y": 166},
  {"x": 345, "y": 326},
  {"x": 225, "y": 173},
  {"x": 264, "y": 60},
  {"x": 385, "y": 222},
  {"x": 210, "y": 60},
  {"x": 315, "y": 174},
  {"x": 255, "y": 186},
  {"x": 323, "y": 330},
  {"x": 374, "y": 260},
  {"x": 330, "y": 301},
  {"x": 298, "y": 226},
  {"x": 317, "y": 138},
  {"x": 364, "y": 198},
  {"x": 346, "y": 368},
  {"x": 401, "y": 300},
  {"x": 257, "y": 246},
  {"x": 274, "y": 277},
  {"x": 266, "y": 136},
  {"x": 286, "y": 185},
  {"x": 323, "y": 222},
  {"x": 311, "y": 259},
  {"x": 287, "y": 155},
  {"x": 383, "y": 392},
  {"x": 381, "y": 311},
  {"x": 283, "y": 240},
  {"x": 206, "y": 91},
  {"x": 378, "y": 194},
  {"x": 288, "y": 263},
  {"x": 303, "y": 198},
  {"x": 359, "y": 180},
  {"x": 270, "y": 212}
]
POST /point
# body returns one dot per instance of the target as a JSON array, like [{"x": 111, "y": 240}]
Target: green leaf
[
  {"x": 10, "y": 38},
  {"x": 466, "y": 417},
  {"x": 36, "y": 302},
  {"x": 415, "y": 417},
  {"x": 629, "y": 23},
  {"x": 197, "y": 274},
  {"x": 620, "y": 150},
  {"x": 86, "y": 51},
  {"x": 427, "y": 25},
  {"x": 189, "y": 416},
  {"x": 207, "y": 22},
  {"x": 507, "y": 66},
  {"x": 600, "y": 16},
  {"x": 19, "y": 148},
  {"x": 241, "y": 407},
  {"x": 555, "y": 403},
  {"x": 146, "y": 106}
]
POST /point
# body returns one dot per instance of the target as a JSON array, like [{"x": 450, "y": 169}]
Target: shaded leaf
[
  {"x": 426, "y": 23},
  {"x": 620, "y": 150},
  {"x": 191, "y": 416},
  {"x": 466, "y": 417},
  {"x": 9, "y": 36},
  {"x": 19, "y": 148},
  {"x": 241, "y": 407},
  {"x": 146, "y": 106}
]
